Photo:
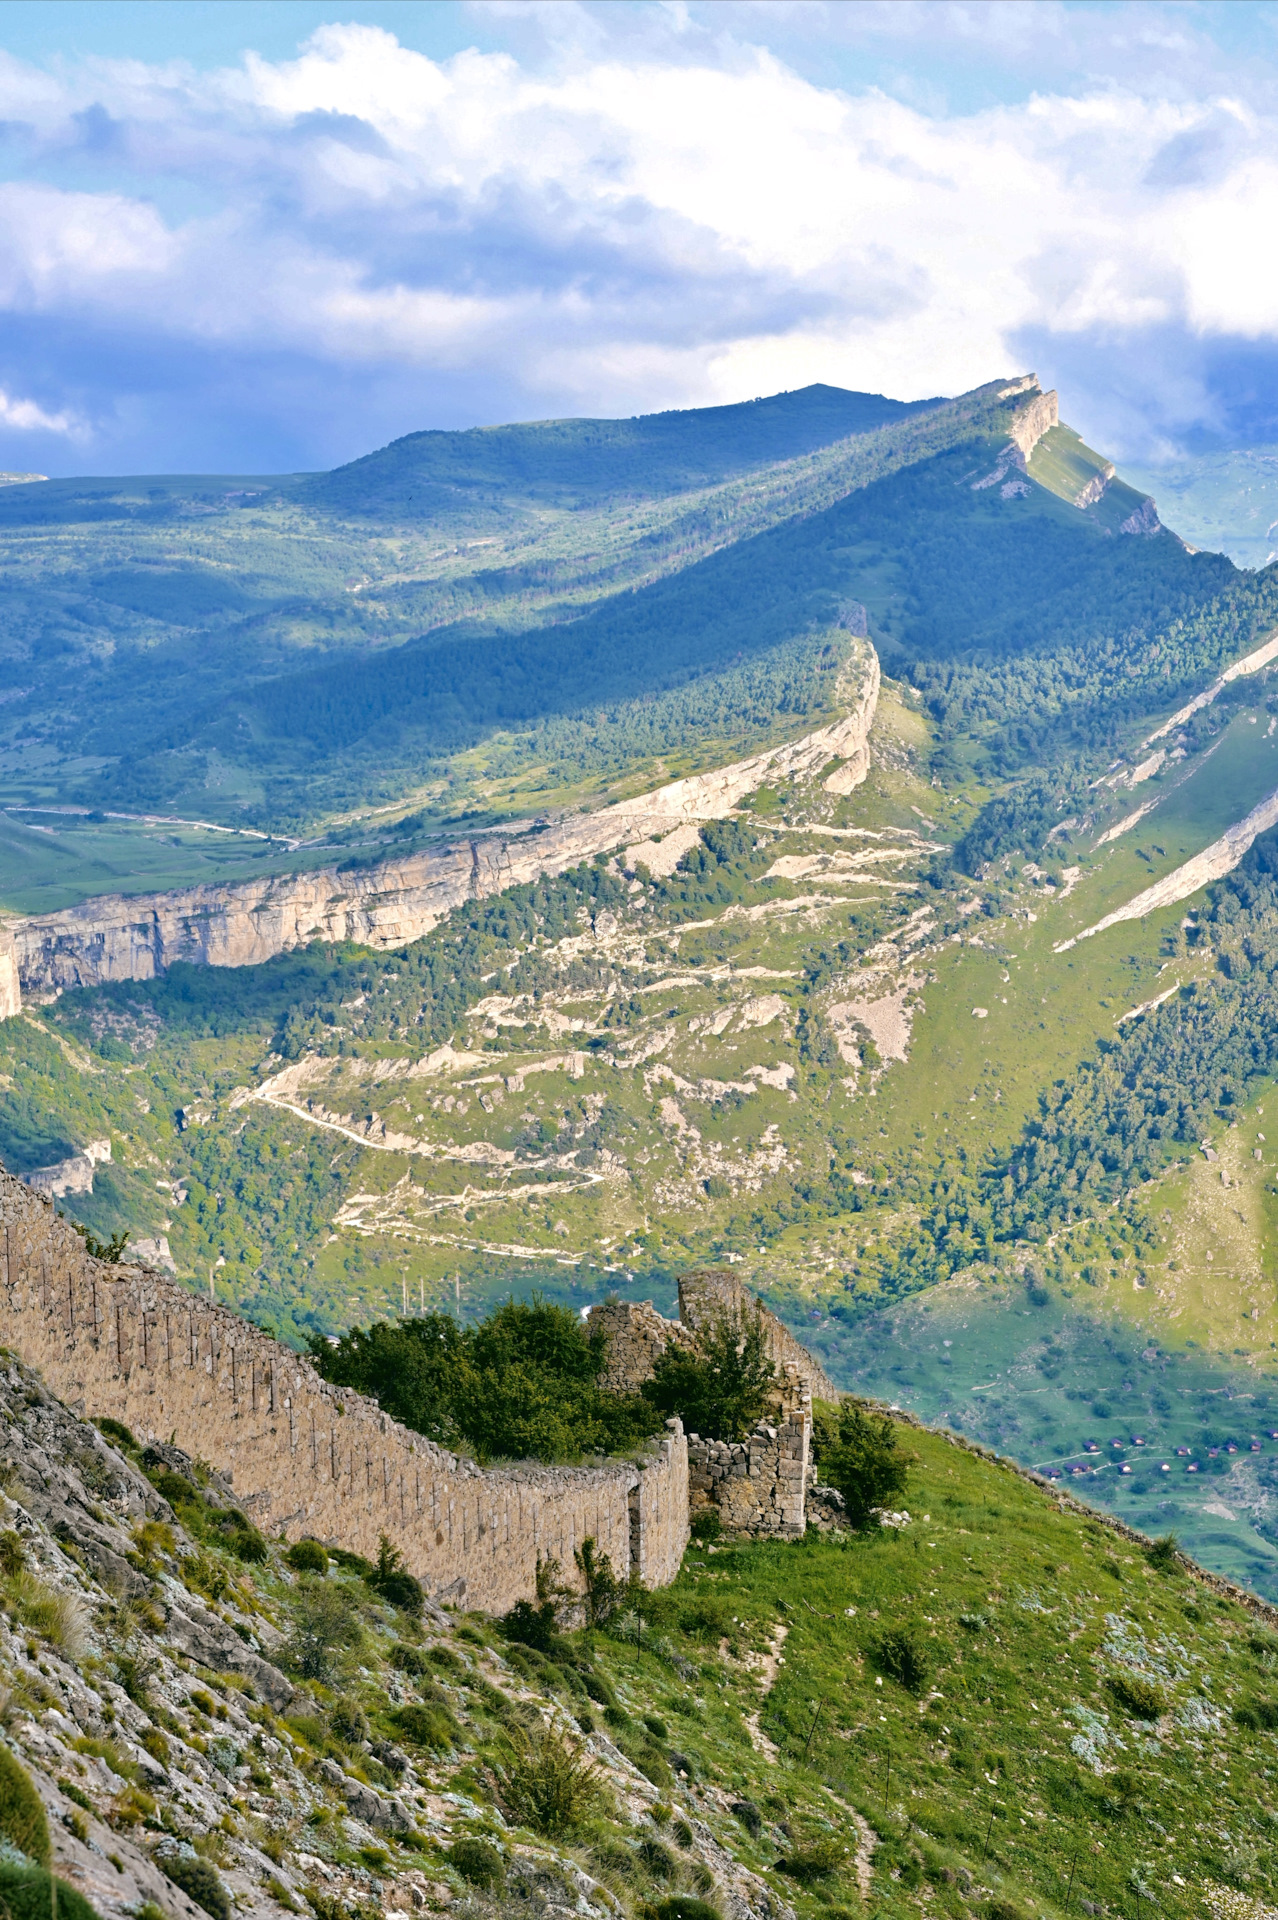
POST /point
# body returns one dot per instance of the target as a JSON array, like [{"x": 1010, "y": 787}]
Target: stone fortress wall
[
  {"x": 306, "y": 1457},
  {"x": 759, "y": 1485}
]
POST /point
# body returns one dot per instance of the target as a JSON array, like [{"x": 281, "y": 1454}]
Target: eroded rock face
[{"x": 136, "y": 938}]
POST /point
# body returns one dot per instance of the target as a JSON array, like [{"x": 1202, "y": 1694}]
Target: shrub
[
  {"x": 1258, "y": 1714},
  {"x": 244, "y": 1540},
  {"x": 1135, "y": 1696},
  {"x": 351, "y": 1562},
  {"x": 658, "y": 1861},
  {"x": 392, "y": 1580},
  {"x": 1164, "y": 1553},
  {"x": 749, "y": 1816},
  {"x": 901, "y": 1656},
  {"x": 325, "y": 1628},
  {"x": 117, "y": 1433},
  {"x": 720, "y": 1388},
  {"x": 348, "y": 1722},
  {"x": 431, "y": 1726},
  {"x": 407, "y": 1659},
  {"x": 28, "y": 1893},
  {"x": 708, "y": 1525},
  {"x": 22, "y": 1817},
  {"x": 685, "y": 1906},
  {"x": 477, "y": 1862},
  {"x": 307, "y": 1556},
  {"x": 818, "y": 1859},
  {"x": 200, "y": 1880},
  {"x": 531, "y": 1626},
  {"x": 603, "y": 1589},
  {"x": 547, "y": 1784},
  {"x": 865, "y": 1463}
]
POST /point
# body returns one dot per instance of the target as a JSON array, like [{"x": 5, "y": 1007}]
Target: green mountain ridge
[{"x": 837, "y": 1046}]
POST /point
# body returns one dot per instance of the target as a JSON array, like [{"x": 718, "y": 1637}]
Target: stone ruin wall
[
  {"x": 711, "y": 1294},
  {"x": 637, "y": 1337},
  {"x": 306, "y": 1457},
  {"x": 759, "y": 1485}
]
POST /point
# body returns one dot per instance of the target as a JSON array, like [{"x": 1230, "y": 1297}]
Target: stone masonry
[
  {"x": 759, "y": 1485},
  {"x": 306, "y": 1457},
  {"x": 637, "y": 1337},
  {"x": 711, "y": 1294}
]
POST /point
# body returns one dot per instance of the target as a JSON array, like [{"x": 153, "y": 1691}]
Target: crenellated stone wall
[{"x": 306, "y": 1457}]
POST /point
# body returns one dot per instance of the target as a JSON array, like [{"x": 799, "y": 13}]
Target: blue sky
[{"x": 255, "y": 237}]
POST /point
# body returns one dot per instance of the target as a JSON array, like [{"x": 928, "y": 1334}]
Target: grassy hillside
[
  {"x": 579, "y": 462},
  {"x": 1004, "y": 1707},
  {"x": 346, "y": 662},
  {"x": 141, "y": 615}
]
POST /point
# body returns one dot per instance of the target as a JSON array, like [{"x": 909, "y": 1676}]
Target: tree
[
  {"x": 719, "y": 1389},
  {"x": 391, "y": 1578},
  {"x": 325, "y": 1628},
  {"x": 524, "y": 1384},
  {"x": 865, "y": 1463},
  {"x": 603, "y": 1589}
]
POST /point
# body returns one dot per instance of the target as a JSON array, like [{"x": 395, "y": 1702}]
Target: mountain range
[{"x": 825, "y": 836}]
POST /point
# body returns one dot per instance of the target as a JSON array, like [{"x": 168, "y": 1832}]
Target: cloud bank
[{"x": 280, "y": 264}]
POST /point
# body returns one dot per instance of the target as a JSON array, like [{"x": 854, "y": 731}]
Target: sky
[{"x": 263, "y": 236}]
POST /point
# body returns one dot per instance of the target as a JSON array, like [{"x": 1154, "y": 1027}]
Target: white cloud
[
  {"x": 680, "y": 219},
  {"x": 26, "y": 417}
]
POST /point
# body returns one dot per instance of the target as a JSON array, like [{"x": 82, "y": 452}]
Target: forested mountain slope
[{"x": 853, "y": 1041}]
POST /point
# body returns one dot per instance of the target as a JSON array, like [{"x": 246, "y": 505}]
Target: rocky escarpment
[
  {"x": 138, "y": 937},
  {"x": 201, "y": 1718}
]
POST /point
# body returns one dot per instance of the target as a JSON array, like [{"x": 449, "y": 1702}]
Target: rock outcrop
[
  {"x": 115, "y": 937},
  {"x": 1213, "y": 863},
  {"x": 1037, "y": 417},
  {"x": 142, "y": 1666}
]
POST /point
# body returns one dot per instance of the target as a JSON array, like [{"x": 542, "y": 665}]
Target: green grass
[
  {"x": 1024, "y": 1617},
  {"x": 1063, "y": 464},
  {"x": 49, "y": 863},
  {"x": 951, "y": 1723}
]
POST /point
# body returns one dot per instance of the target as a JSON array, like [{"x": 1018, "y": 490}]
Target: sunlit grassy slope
[
  {"x": 1015, "y": 1764},
  {"x": 161, "y": 638}
]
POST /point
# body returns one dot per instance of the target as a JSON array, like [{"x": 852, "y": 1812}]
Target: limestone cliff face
[
  {"x": 1033, "y": 420},
  {"x": 137, "y": 937},
  {"x": 10, "y": 987}
]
